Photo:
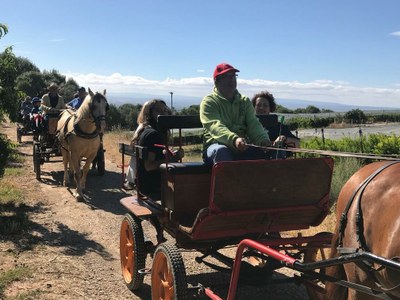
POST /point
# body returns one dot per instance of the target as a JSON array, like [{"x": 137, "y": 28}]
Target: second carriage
[{"x": 47, "y": 145}]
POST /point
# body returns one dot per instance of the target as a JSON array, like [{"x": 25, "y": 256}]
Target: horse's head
[{"x": 98, "y": 108}]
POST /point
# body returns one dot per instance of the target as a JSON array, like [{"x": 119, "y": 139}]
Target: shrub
[{"x": 5, "y": 152}]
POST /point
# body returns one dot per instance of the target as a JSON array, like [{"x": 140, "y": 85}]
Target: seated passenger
[
  {"x": 52, "y": 100},
  {"x": 36, "y": 115},
  {"x": 75, "y": 103},
  {"x": 229, "y": 121},
  {"x": 147, "y": 135},
  {"x": 264, "y": 104},
  {"x": 25, "y": 109}
]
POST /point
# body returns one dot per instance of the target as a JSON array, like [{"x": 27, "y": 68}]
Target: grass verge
[{"x": 8, "y": 277}]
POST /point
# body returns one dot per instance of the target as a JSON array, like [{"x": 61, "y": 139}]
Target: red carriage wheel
[
  {"x": 168, "y": 276},
  {"x": 132, "y": 252}
]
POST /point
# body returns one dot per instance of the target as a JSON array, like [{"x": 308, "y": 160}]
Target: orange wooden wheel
[
  {"x": 132, "y": 252},
  {"x": 312, "y": 255},
  {"x": 168, "y": 276}
]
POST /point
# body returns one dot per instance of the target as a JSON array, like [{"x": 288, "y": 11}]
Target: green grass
[
  {"x": 34, "y": 294},
  {"x": 13, "y": 218},
  {"x": 343, "y": 169},
  {"x": 12, "y": 275},
  {"x": 13, "y": 171},
  {"x": 10, "y": 195}
]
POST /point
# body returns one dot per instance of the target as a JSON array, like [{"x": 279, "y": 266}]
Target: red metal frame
[{"x": 246, "y": 243}]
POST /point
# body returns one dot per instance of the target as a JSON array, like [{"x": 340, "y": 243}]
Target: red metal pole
[{"x": 284, "y": 259}]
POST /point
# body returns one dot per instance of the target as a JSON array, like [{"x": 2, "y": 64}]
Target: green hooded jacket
[{"x": 225, "y": 120}]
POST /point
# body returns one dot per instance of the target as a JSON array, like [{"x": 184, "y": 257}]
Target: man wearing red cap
[{"x": 229, "y": 121}]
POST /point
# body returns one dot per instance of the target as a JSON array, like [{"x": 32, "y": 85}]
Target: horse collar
[{"x": 78, "y": 131}]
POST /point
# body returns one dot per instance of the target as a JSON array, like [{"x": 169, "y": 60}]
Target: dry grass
[{"x": 111, "y": 141}]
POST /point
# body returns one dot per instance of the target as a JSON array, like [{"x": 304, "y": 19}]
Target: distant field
[{"x": 352, "y": 132}]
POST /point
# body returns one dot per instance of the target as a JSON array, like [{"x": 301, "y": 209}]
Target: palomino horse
[
  {"x": 369, "y": 207},
  {"x": 79, "y": 136}
]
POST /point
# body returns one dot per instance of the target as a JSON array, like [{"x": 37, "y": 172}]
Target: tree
[
  {"x": 25, "y": 65},
  {"x": 8, "y": 73},
  {"x": 3, "y": 30},
  {"x": 114, "y": 118},
  {"x": 355, "y": 116},
  {"x": 54, "y": 76},
  {"x": 283, "y": 110},
  {"x": 191, "y": 110},
  {"x": 129, "y": 114},
  {"x": 311, "y": 109},
  {"x": 31, "y": 83},
  {"x": 69, "y": 90}
]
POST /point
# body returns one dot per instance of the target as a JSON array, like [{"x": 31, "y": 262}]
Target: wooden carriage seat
[
  {"x": 248, "y": 197},
  {"x": 185, "y": 189}
]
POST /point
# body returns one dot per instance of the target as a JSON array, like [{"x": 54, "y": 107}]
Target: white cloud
[
  {"x": 318, "y": 90},
  {"x": 396, "y": 33},
  {"x": 57, "y": 40}
]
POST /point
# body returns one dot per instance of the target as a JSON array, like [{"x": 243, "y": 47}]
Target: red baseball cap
[{"x": 223, "y": 68}]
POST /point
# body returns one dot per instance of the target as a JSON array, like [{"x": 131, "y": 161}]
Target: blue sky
[{"x": 338, "y": 51}]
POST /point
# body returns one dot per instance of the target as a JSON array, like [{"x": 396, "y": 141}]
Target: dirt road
[{"x": 72, "y": 247}]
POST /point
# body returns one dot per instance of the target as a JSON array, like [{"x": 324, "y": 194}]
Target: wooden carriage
[{"x": 209, "y": 207}]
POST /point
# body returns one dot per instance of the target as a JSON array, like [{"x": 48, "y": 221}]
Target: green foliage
[
  {"x": 12, "y": 275},
  {"x": 31, "y": 83},
  {"x": 5, "y": 152},
  {"x": 24, "y": 65},
  {"x": 343, "y": 169},
  {"x": 283, "y": 110},
  {"x": 306, "y": 122},
  {"x": 356, "y": 116},
  {"x": 191, "y": 110},
  {"x": 114, "y": 118},
  {"x": 129, "y": 114},
  {"x": 311, "y": 109},
  {"x": 8, "y": 95},
  {"x": 69, "y": 90},
  {"x": 3, "y": 30},
  {"x": 379, "y": 144}
]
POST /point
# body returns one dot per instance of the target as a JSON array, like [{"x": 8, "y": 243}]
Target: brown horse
[
  {"x": 375, "y": 190},
  {"x": 79, "y": 135}
]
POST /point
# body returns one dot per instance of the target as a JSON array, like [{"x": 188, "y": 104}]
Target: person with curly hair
[{"x": 264, "y": 104}]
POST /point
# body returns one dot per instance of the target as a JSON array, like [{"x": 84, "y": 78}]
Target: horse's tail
[{"x": 335, "y": 291}]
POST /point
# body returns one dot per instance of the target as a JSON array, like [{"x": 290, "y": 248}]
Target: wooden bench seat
[{"x": 250, "y": 197}]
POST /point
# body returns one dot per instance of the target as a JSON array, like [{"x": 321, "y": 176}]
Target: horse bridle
[{"x": 98, "y": 119}]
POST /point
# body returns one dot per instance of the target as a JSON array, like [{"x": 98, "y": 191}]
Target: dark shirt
[
  {"x": 53, "y": 100},
  {"x": 274, "y": 132},
  {"x": 279, "y": 129},
  {"x": 35, "y": 110},
  {"x": 150, "y": 181}
]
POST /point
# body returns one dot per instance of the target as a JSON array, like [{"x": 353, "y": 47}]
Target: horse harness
[{"x": 362, "y": 245}]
